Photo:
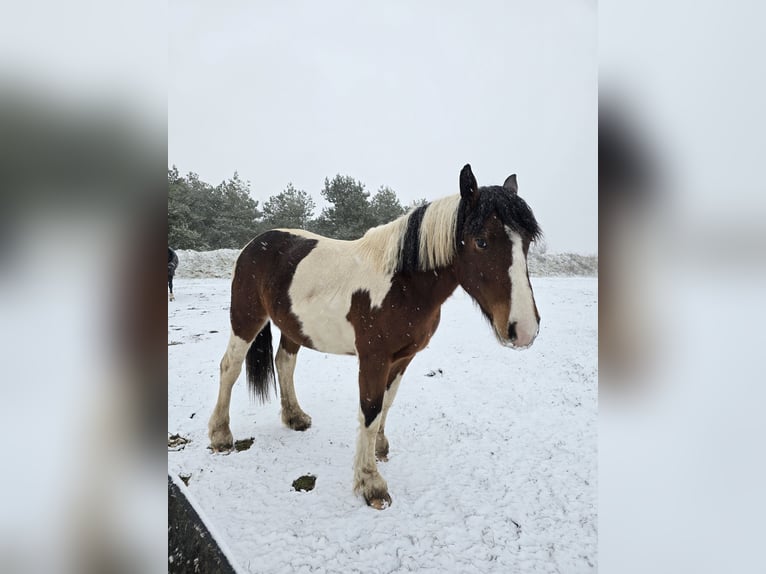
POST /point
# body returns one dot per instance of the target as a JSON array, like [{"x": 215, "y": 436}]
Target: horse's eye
[{"x": 481, "y": 243}]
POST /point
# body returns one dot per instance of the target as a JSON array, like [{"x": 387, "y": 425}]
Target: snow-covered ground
[{"x": 493, "y": 457}]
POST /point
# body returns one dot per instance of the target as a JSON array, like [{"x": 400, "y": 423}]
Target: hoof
[
  {"x": 298, "y": 421},
  {"x": 171, "y": 297},
  {"x": 379, "y": 502},
  {"x": 221, "y": 440}
]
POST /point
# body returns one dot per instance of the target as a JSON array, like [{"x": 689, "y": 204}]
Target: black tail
[{"x": 259, "y": 365}]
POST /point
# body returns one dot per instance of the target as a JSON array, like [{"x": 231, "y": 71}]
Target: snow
[
  {"x": 492, "y": 466},
  {"x": 216, "y": 263}
]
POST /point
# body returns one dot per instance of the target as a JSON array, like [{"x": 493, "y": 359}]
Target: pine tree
[
  {"x": 291, "y": 209},
  {"x": 349, "y": 216}
]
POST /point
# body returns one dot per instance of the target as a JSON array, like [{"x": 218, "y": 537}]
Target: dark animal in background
[
  {"x": 379, "y": 298},
  {"x": 172, "y": 264}
]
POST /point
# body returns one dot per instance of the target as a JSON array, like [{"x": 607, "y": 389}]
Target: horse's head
[{"x": 494, "y": 229}]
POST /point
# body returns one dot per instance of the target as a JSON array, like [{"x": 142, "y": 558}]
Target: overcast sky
[{"x": 393, "y": 93}]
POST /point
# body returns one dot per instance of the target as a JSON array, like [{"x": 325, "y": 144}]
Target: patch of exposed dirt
[
  {"x": 177, "y": 442},
  {"x": 244, "y": 444},
  {"x": 305, "y": 482}
]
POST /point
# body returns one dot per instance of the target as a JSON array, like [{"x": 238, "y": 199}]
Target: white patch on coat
[
  {"x": 522, "y": 299},
  {"x": 322, "y": 287}
]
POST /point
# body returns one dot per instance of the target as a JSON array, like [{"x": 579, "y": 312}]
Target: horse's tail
[{"x": 259, "y": 365}]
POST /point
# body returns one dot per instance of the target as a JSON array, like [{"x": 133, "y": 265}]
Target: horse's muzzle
[{"x": 521, "y": 336}]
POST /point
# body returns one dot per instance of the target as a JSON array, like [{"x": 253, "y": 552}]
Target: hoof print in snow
[
  {"x": 305, "y": 482},
  {"x": 185, "y": 478},
  {"x": 434, "y": 373},
  {"x": 243, "y": 444},
  {"x": 177, "y": 442}
]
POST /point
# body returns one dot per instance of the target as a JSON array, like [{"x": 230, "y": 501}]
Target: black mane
[
  {"x": 509, "y": 207},
  {"x": 409, "y": 254}
]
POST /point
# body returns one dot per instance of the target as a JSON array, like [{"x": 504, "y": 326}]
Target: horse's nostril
[{"x": 512, "y": 331}]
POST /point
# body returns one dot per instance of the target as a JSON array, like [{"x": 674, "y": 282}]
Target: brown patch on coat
[
  {"x": 261, "y": 283},
  {"x": 389, "y": 336},
  {"x": 288, "y": 344}
]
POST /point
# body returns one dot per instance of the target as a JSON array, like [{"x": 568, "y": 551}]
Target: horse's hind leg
[
  {"x": 381, "y": 442},
  {"x": 221, "y": 438},
  {"x": 171, "y": 297},
  {"x": 292, "y": 414}
]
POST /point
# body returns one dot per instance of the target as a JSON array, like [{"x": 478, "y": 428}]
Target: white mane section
[
  {"x": 437, "y": 233},
  {"x": 382, "y": 244}
]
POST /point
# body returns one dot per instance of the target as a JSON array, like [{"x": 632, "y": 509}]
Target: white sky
[{"x": 399, "y": 93}]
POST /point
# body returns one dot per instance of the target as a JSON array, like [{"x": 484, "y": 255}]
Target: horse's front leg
[
  {"x": 373, "y": 378},
  {"x": 394, "y": 378}
]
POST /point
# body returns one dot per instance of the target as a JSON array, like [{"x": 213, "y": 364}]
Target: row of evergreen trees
[{"x": 203, "y": 217}]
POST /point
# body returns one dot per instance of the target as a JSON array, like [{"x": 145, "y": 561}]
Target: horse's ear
[
  {"x": 511, "y": 185},
  {"x": 469, "y": 189}
]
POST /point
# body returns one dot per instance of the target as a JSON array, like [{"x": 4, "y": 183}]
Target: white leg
[
  {"x": 292, "y": 414},
  {"x": 367, "y": 479},
  {"x": 381, "y": 443},
  {"x": 231, "y": 365}
]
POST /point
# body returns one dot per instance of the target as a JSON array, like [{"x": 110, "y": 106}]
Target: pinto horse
[{"x": 379, "y": 298}]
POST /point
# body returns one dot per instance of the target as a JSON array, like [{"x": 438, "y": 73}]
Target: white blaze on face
[{"x": 522, "y": 299}]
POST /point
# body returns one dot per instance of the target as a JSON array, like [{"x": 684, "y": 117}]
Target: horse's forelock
[{"x": 511, "y": 209}]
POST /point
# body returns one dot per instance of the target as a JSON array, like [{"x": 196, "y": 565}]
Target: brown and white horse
[{"x": 379, "y": 298}]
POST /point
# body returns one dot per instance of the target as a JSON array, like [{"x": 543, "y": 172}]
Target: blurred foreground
[
  {"x": 682, "y": 279},
  {"x": 82, "y": 207}
]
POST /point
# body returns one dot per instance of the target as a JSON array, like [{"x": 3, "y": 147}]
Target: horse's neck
[{"x": 435, "y": 285}]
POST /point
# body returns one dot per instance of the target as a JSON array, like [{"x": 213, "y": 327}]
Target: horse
[
  {"x": 379, "y": 298},
  {"x": 172, "y": 264}
]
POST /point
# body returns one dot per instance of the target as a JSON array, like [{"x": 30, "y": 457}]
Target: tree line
[{"x": 203, "y": 217}]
